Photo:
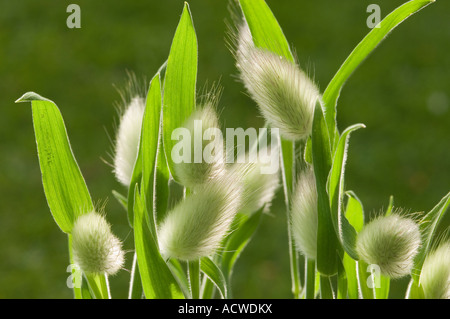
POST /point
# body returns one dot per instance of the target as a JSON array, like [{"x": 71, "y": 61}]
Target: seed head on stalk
[
  {"x": 286, "y": 96},
  {"x": 304, "y": 217},
  {"x": 95, "y": 248},
  {"x": 391, "y": 242},
  {"x": 435, "y": 274},
  {"x": 197, "y": 225}
]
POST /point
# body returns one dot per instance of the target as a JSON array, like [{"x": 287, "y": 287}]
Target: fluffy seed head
[
  {"x": 391, "y": 242},
  {"x": 285, "y": 95},
  {"x": 197, "y": 171},
  {"x": 127, "y": 140},
  {"x": 95, "y": 248},
  {"x": 435, "y": 275},
  {"x": 258, "y": 188},
  {"x": 197, "y": 225},
  {"x": 304, "y": 214}
]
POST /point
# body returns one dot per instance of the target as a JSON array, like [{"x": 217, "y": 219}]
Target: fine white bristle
[
  {"x": 285, "y": 95},
  {"x": 95, "y": 248},
  {"x": 127, "y": 140}
]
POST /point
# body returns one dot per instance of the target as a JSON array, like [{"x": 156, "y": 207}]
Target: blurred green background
[{"x": 401, "y": 93}]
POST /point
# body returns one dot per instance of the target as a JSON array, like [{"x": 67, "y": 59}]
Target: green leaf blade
[
  {"x": 180, "y": 82},
  {"x": 266, "y": 31},
  {"x": 238, "y": 240},
  {"x": 210, "y": 269},
  {"x": 158, "y": 281},
  {"x": 360, "y": 53},
  {"x": 145, "y": 162},
  {"x": 64, "y": 186},
  {"x": 326, "y": 235},
  {"x": 347, "y": 234}
]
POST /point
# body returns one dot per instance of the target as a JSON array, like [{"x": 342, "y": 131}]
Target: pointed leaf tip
[{"x": 31, "y": 96}]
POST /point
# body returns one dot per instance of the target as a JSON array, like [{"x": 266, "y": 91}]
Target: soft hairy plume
[
  {"x": 391, "y": 242},
  {"x": 197, "y": 225},
  {"x": 435, "y": 274},
  {"x": 95, "y": 248},
  {"x": 127, "y": 140},
  {"x": 258, "y": 188},
  {"x": 285, "y": 95},
  {"x": 304, "y": 216},
  {"x": 191, "y": 173}
]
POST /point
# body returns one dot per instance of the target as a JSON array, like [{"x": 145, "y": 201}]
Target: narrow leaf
[
  {"x": 354, "y": 211},
  {"x": 123, "y": 201},
  {"x": 238, "y": 240},
  {"x": 64, "y": 186},
  {"x": 365, "y": 281},
  {"x": 180, "y": 275},
  {"x": 266, "y": 32},
  {"x": 210, "y": 269},
  {"x": 326, "y": 236},
  {"x": 146, "y": 158},
  {"x": 359, "y": 54},
  {"x": 347, "y": 234},
  {"x": 161, "y": 184},
  {"x": 158, "y": 281},
  {"x": 414, "y": 291},
  {"x": 390, "y": 206},
  {"x": 352, "y": 277},
  {"x": 180, "y": 81},
  {"x": 382, "y": 288}
]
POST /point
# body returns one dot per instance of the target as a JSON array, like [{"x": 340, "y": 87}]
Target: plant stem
[
  {"x": 326, "y": 290},
  {"x": 310, "y": 278},
  {"x": 135, "y": 290},
  {"x": 288, "y": 150},
  {"x": 98, "y": 285},
  {"x": 194, "y": 278},
  {"x": 293, "y": 255},
  {"x": 207, "y": 290}
]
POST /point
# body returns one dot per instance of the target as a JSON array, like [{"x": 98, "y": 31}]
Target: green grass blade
[
  {"x": 64, "y": 186},
  {"x": 326, "y": 289},
  {"x": 363, "y": 280},
  {"x": 390, "y": 206},
  {"x": 193, "y": 267},
  {"x": 382, "y": 292},
  {"x": 98, "y": 286},
  {"x": 180, "y": 275},
  {"x": 359, "y": 54},
  {"x": 210, "y": 269},
  {"x": 238, "y": 240},
  {"x": 326, "y": 235},
  {"x": 149, "y": 147},
  {"x": 354, "y": 213},
  {"x": 180, "y": 82},
  {"x": 266, "y": 32},
  {"x": 158, "y": 281},
  {"x": 432, "y": 226},
  {"x": 347, "y": 234},
  {"x": 161, "y": 187},
  {"x": 414, "y": 291},
  {"x": 122, "y": 200},
  {"x": 352, "y": 279},
  {"x": 145, "y": 162}
]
